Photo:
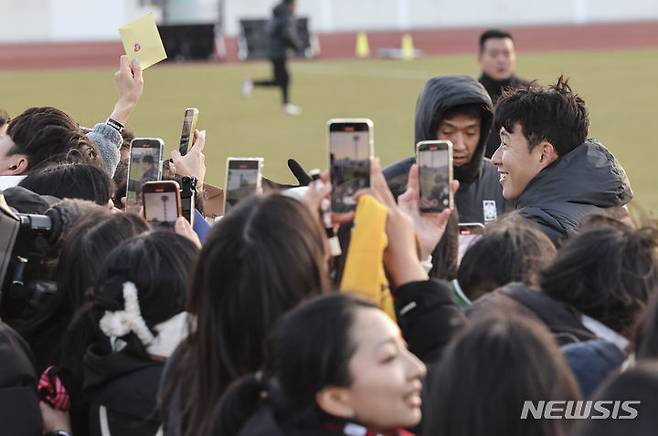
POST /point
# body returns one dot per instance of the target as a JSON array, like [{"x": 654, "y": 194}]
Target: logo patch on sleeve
[{"x": 489, "y": 210}]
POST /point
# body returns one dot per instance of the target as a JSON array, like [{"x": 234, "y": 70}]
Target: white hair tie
[{"x": 117, "y": 324}]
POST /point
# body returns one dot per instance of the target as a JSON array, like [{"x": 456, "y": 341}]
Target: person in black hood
[
  {"x": 497, "y": 58},
  {"x": 282, "y": 32},
  {"x": 457, "y": 108},
  {"x": 550, "y": 170}
]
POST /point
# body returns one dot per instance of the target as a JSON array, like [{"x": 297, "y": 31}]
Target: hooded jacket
[
  {"x": 584, "y": 181},
  {"x": 282, "y": 32},
  {"x": 517, "y": 299},
  {"x": 122, "y": 390},
  {"x": 479, "y": 198}
]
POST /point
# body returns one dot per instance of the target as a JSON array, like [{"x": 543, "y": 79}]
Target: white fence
[{"x": 94, "y": 20}]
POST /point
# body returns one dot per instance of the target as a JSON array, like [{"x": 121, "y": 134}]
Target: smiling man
[
  {"x": 457, "y": 108},
  {"x": 550, "y": 170}
]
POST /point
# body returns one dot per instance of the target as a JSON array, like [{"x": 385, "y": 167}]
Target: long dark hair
[
  {"x": 158, "y": 264},
  {"x": 486, "y": 375},
  {"x": 612, "y": 286},
  {"x": 310, "y": 349},
  {"x": 257, "y": 263}
]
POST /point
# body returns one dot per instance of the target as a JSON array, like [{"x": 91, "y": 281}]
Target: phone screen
[
  {"x": 145, "y": 166},
  {"x": 434, "y": 178},
  {"x": 186, "y": 134},
  {"x": 160, "y": 208},
  {"x": 349, "y": 160},
  {"x": 468, "y": 234},
  {"x": 241, "y": 181}
]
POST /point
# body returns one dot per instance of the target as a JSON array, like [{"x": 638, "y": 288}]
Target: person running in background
[{"x": 282, "y": 33}]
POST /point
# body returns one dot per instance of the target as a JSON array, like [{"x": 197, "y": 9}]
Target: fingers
[
  {"x": 380, "y": 185},
  {"x": 183, "y": 228},
  {"x": 413, "y": 178},
  {"x": 124, "y": 63},
  {"x": 136, "y": 70},
  {"x": 455, "y": 186},
  {"x": 199, "y": 140}
]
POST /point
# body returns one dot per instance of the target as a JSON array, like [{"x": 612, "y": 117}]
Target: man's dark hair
[
  {"x": 47, "y": 135},
  {"x": 493, "y": 34},
  {"x": 473, "y": 110},
  {"x": 4, "y": 117},
  {"x": 555, "y": 114},
  {"x": 71, "y": 180},
  {"x": 511, "y": 250},
  {"x": 613, "y": 286}
]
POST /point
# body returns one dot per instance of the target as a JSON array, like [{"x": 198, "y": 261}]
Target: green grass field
[{"x": 618, "y": 86}]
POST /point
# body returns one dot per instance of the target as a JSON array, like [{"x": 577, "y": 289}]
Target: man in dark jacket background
[
  {"x": 497, "y": 58},
  {"x": 283, "y": 36},
  {"x": 457, "y": 108},
  {"x": 550, "y": 170}
]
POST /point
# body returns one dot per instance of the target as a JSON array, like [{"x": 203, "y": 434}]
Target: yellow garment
[{"x": 364, "y": 273}]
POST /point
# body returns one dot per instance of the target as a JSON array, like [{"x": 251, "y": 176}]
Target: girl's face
[{"x": 385, "y": 393}]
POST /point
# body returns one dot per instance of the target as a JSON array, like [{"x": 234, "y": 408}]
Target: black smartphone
[
  {"x": 188, "y": 197},
  {"x": 435, "y": 175},
  {"x": 243, "y": 178},
  {"x": 162, "y": 204},
  {"x": 144, "y": 165},
  {"x": 350, "y": 153},
  {"x": 187, "y": 137}
]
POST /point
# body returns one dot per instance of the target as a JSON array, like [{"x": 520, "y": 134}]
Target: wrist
[
  {"x": 406, "y": 269},
  {"x": 122, "y": 111}
]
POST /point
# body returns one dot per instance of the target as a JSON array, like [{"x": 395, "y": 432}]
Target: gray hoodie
[
  {"x": 584, "y": 181},
  {"x": 480, "y": 196}
]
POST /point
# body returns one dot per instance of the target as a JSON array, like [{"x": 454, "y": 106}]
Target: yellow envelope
[{"x": 141, "y": 40}]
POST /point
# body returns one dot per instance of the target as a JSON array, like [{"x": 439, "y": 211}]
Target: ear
[
  {"x": 335, "y": 401},
  {"x": 16, "y": 165},
  {"x": 548, "y": 154}
]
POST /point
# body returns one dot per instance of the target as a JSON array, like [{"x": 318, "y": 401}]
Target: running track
[{"x": 341, "y": 45}]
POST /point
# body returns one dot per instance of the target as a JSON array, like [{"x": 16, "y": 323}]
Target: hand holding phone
[
  {"x": 144, "y": 165},
  {"x": 243, "y": 178},
  {"x": 350, "y": 154},
  {"x": 435, "y": 175},
  {"x": 162, "y": 204}
]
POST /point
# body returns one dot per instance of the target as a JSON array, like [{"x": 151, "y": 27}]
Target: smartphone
[
  {"x": 144, "y": 165},
  {"x": 468, "y": 234},
  {"x": 189, "y": 126},
  {"x": 350, "y": 152},
  {"x": 162, "y": 204},
  {"x": 243, "y": 178},
  {"x": 435, "y": 175}
]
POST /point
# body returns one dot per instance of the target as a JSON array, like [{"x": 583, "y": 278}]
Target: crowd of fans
[{"x": 253, "y": 328}]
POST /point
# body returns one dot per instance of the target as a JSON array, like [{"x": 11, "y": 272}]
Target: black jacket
[
  {"x": 517, "y": 299},
  {"x": 126, "y": 387},
  {"x": 428, "y": 317},
  {"x": 479, "y": 178},
  {"x": 282, "y": 32},
  {"x": 584, "y": 181},
  {"x": 19, "y": 403},
  {"x": 495, "y": 89}
]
